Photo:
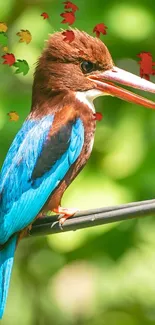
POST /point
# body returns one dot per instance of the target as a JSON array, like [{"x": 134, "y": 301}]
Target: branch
[{"x": 95, "y": 217}]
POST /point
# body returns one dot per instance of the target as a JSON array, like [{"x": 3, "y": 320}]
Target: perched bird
[{"x": 57, "y": 137}]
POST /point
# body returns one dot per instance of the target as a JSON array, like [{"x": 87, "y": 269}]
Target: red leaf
[
  {"x": 45, "y": 15},
  {"x": 9, "y": 59},
  {"x": 70, "y": 5},
  {"x": 69, "y": 36},
  {"x": 146, "y": 65},
  {"x": 100, "y": 28},
  {"x": 69, "y": 17},
  {"x": 98, "y": 116}
]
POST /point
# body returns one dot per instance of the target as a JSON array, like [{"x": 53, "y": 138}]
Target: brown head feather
[{"x": 59, "y": 67}]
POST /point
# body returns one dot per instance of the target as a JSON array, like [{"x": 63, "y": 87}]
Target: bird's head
[{"x": 85, "y": 68}]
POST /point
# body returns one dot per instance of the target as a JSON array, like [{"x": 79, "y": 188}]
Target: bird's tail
[{"x": 6, "y": 262}]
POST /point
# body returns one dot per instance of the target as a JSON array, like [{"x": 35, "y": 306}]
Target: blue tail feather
[{"x": 6, "y": 263}]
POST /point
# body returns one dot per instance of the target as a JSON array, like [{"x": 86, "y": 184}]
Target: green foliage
[
  {"x": 3, "y": 39},
  {"x": 104, "y": 275},
  {"x": 22, "y": 67}
]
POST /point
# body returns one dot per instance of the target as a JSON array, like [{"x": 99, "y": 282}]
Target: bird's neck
[
  {"x": 87, "y": 97},
  {"x": 80, "y": 101},
  {"x": 48, "y": 103}
]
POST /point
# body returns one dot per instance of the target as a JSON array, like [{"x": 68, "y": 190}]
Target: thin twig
[{"x": 94, "y": 217}]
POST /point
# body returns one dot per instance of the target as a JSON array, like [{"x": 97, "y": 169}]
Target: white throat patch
[{"x": 88, "y": 96}]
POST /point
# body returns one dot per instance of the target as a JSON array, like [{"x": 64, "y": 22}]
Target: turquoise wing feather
[{"x": 33, "y": 168}]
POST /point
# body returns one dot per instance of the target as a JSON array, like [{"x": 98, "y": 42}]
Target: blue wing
[{"x": 33, "y": 168}]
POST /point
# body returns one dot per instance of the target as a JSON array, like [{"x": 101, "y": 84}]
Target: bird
[{"x": 56, "y": 139}]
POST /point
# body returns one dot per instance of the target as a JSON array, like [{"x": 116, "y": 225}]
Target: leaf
[
  {"x": 9, "y": 59},
  {"x": 5, "y": 49},
  {"x": 100, "y": 28},
  {"x": 70, "y": 5},
  {"x": 69, "y": 36},
  {"x": 13, "y": 115},
  {"x": 25, "y": 36},
  {"x": 98, "y": 116},
  {"x": 69, "y": 17},
  {"x": 3, "y": 39},
  {"x": 3, "y": 27},
  {"x": 45, "y": 15},
  {"x": 146, "y": 65},
  {"x": 22, "y": 67}
]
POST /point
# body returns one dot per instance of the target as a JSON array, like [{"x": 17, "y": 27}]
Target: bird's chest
[
  {"x": 88, "y": 143},
  {"x": 89, "y": 127},
  {"x": 89, "y": 130}
]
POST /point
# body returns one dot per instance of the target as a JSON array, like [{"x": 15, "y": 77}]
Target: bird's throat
[{"x": 87, "y": 97}]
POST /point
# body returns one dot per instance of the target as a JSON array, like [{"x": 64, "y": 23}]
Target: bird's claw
[
  {"x": 64, "y": 214},
  {"x": 57, "y": 222}
]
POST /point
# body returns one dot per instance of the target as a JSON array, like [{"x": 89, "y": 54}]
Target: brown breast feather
[{"x": 69, "y": 113}]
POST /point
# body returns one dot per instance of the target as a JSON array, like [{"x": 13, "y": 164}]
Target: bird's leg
[{"x": 65, "y": 213}]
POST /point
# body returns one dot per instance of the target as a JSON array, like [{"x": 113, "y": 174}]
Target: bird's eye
[{"x": 87, "y": 66}]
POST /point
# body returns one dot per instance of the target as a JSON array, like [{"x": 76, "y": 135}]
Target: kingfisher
[{"x": 56, "y": 139}]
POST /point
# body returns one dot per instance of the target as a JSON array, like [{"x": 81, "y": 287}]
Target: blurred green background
[{"x": 104, "y": 275}]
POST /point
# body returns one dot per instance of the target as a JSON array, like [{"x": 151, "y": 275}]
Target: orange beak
[{"x": 105, "y": 81}]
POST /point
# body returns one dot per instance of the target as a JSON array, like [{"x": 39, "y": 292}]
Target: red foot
[{"x": 65, "y": 213}]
